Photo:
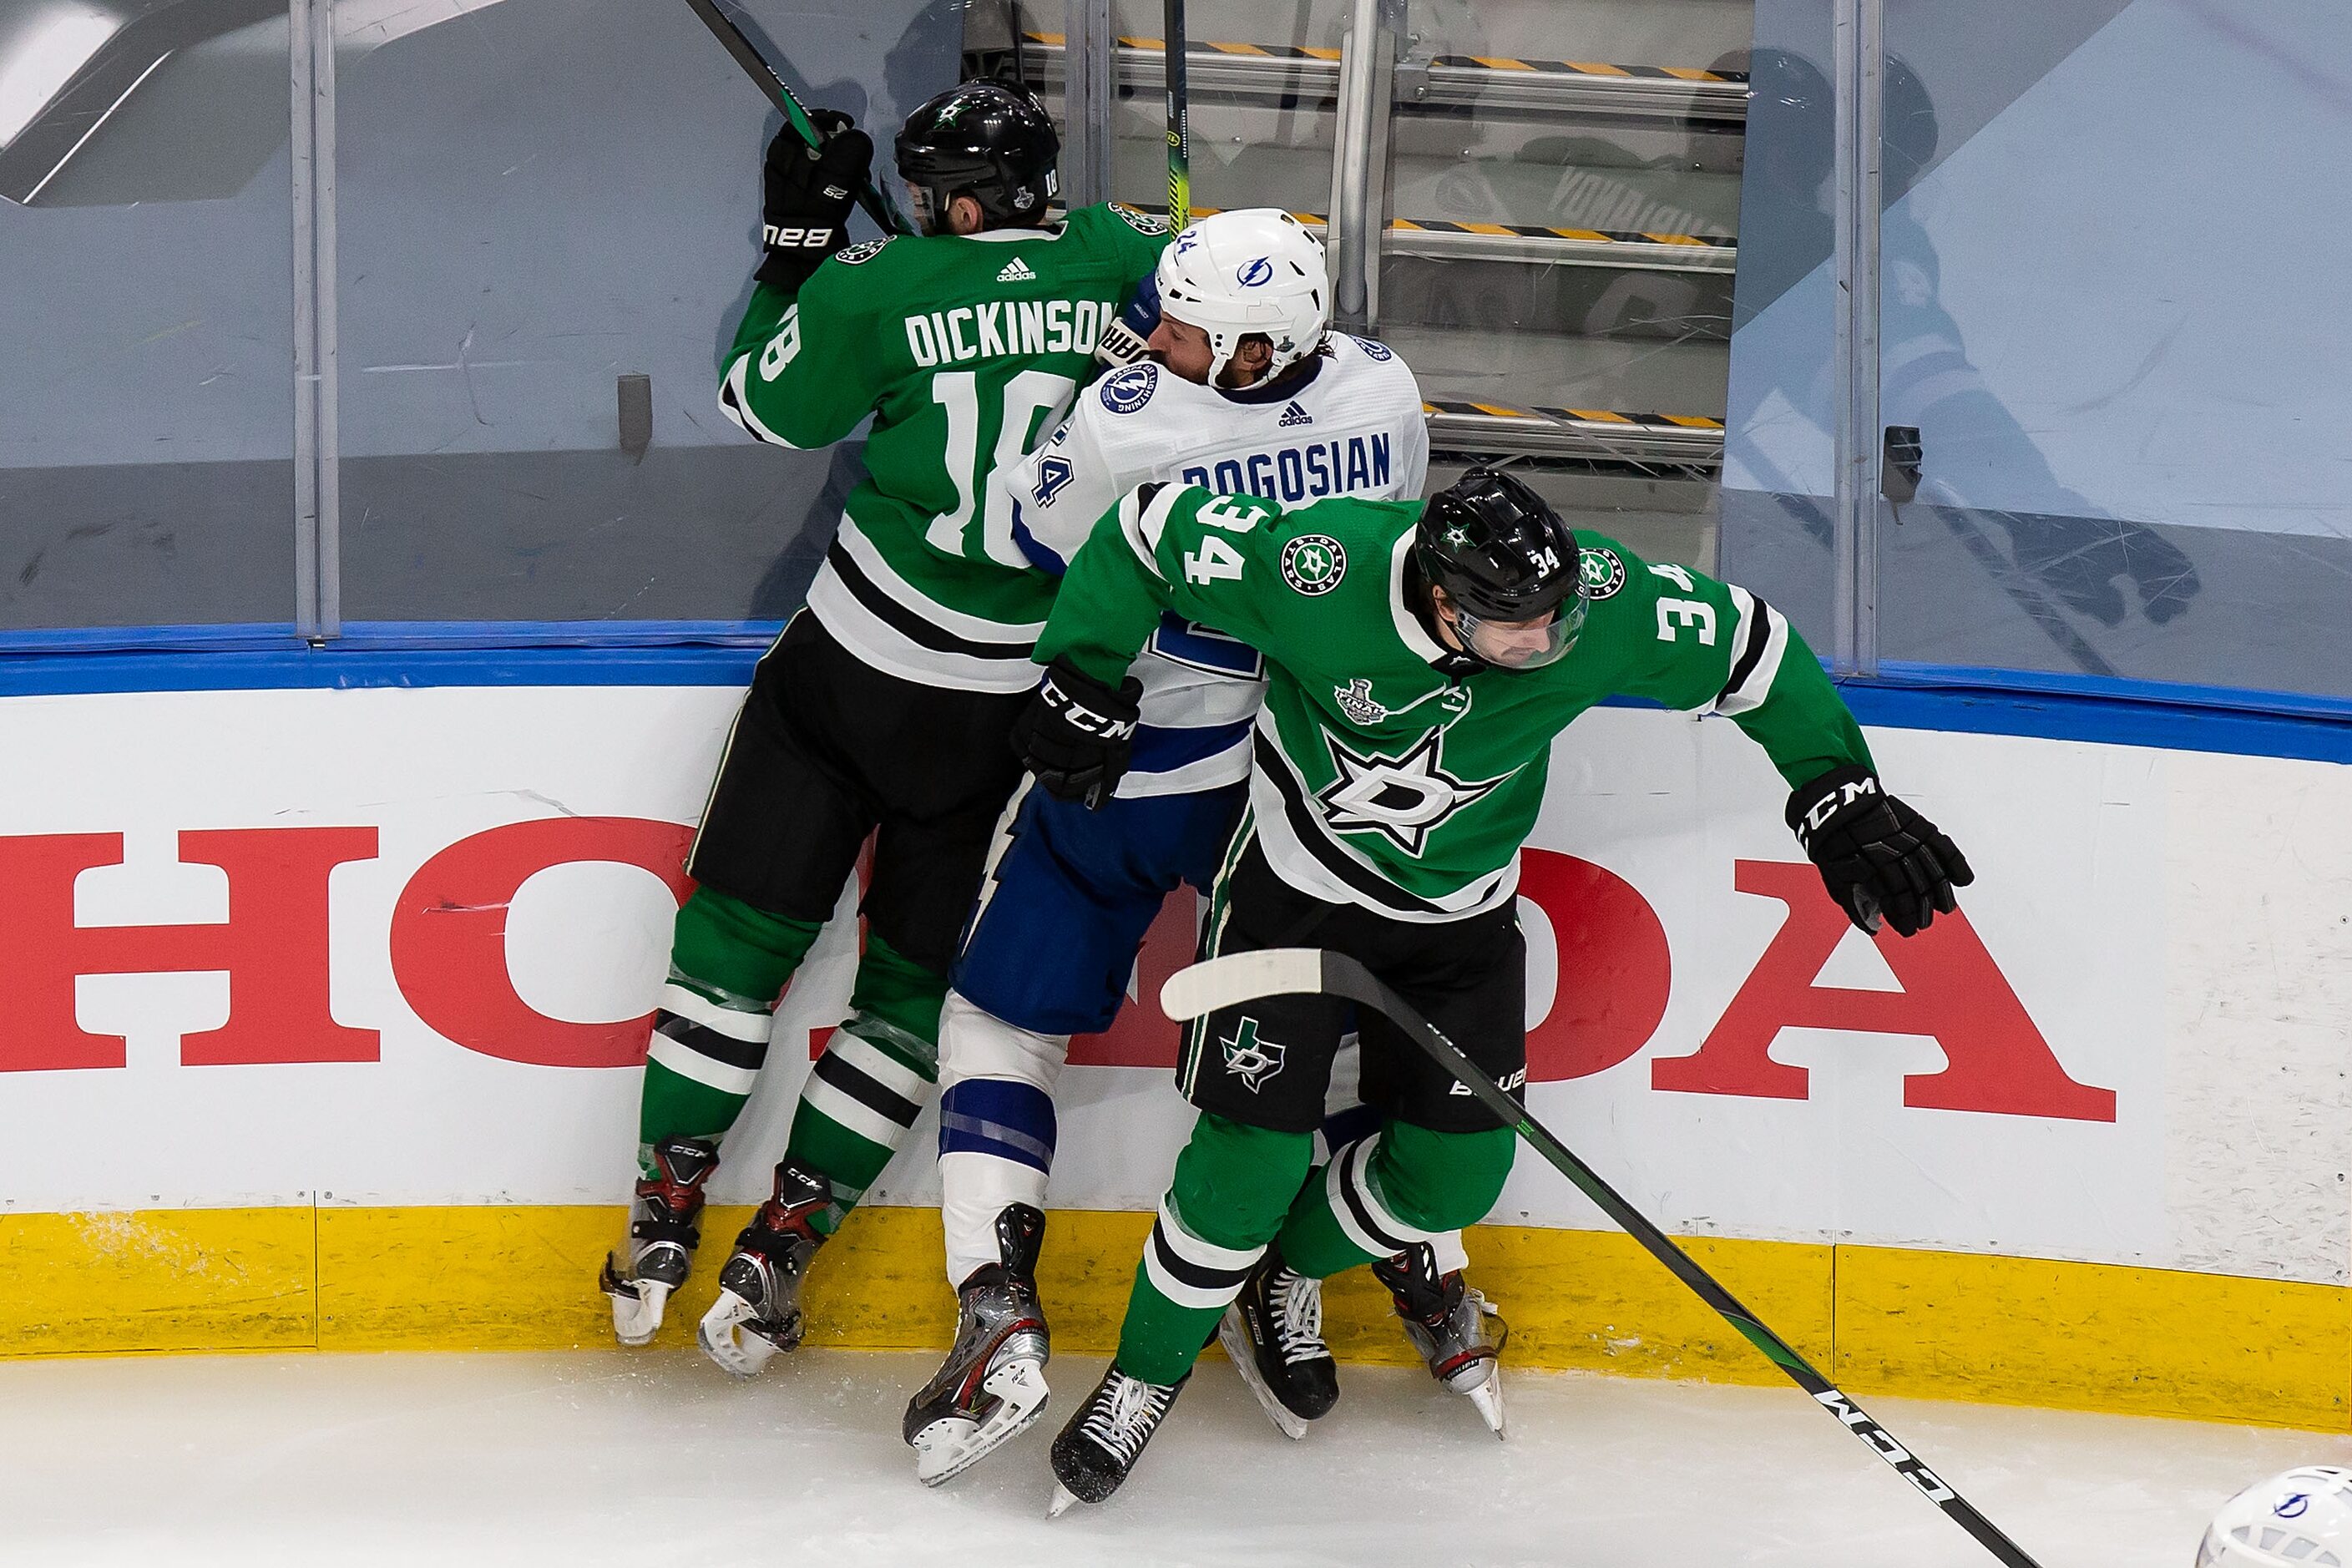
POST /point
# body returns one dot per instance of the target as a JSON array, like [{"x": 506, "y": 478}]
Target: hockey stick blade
[
  {"x": 770, "y": 81},
  {"x": 1240, "y": 977},
  {"x": 1276, "y": 972}
]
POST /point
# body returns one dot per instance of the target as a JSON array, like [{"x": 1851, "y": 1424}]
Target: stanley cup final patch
[
  {"x": 1249, "y": 1057},
  {"x": 1313, "y": 564}
]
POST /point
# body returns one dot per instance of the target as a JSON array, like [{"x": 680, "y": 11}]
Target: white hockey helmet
[
  {"x": 1252, "y": 269},
  {"x": 2300, "y": 1520}
]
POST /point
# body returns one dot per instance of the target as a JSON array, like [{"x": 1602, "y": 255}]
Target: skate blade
[
  {"x": 637, "y": 1317},
  {"x": 1236, "y": 1339},
  {"x": 1064, "y": 1500},
  {"x": 954, "y": 1443},
  {"x": 1487, "y": 1396},
  {"x": 726, "y": 1340}
]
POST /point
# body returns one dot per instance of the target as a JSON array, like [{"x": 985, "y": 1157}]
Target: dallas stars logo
[
  {"x": 1405, "y": 799},
  {"x": 1250, "y": 1057}
]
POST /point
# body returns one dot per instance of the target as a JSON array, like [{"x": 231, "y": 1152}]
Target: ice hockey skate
[
  {"x": 1274, "y": 1332},
  {"x": 758, "y": 1311},
  {"x": 1095, "y": 1452},
  {"x": 992, "y": 1384},
  {"x": 1450, "y": 1324},
  {"x": 662, "y": 1237}
]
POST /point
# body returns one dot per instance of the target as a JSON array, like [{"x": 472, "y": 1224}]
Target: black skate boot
[
  {"x": 1099, "y": 1446},
  {"x": 993, "y": 1382},
  {"x": 1274, "y": 1332},
  {"x": 662, "y": 1237},
  {"x": 758, "y": 1311},
  {"x": 1457, "y": 1332}
]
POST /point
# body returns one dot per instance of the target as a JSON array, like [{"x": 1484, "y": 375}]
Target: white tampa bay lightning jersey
[{"x": 1346, "y": 423}]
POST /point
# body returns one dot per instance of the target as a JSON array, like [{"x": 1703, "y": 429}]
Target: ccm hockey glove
[
  {"x": 806, "y": 195},
  {"x": 1075, "y": 733},
  {"x": 1877, "y": 855}
]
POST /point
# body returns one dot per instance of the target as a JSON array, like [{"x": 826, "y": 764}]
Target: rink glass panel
[
  {"x": 2136, "y": 425},
  {"x": 2134, "y": 422},
  {"x": 542, "y": 200},
  {"x": 146, "y": 324},
  {"x": 1561, "y": 198},
  {"x": 1567, "y": 331}
]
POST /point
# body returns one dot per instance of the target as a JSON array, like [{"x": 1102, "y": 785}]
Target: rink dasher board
[{"x": 442, "y": 880}]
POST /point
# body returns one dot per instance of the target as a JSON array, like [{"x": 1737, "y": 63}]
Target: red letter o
[
  {"x": 449, "y": 936},
  {"x": 1616, "y": 973}
]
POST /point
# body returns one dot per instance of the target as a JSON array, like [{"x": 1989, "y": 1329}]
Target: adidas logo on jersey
[
  {"x": 1294, "y": 414},
  {"x": 1016, "y": 271}
]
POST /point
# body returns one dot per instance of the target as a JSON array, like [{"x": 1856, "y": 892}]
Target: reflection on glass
[
  {"x": 146, "y": 319},
  {"x": 536, "y": 279}
]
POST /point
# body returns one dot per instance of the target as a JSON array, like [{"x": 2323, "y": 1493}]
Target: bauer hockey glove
[
  {"x": 1877, "y": 855},
  {"x": 1129, "y": 339},
  {"x": 806, "y": 195},
  {"x": 1075, "y": 733}
]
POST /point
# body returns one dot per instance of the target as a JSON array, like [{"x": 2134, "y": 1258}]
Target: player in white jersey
[{"x": 1247, "y": 391}]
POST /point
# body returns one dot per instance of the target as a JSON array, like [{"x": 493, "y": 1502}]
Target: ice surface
[{"x": 655, "y": 1458}]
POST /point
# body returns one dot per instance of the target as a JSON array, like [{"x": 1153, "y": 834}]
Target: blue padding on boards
[
  {"x": 343, "y": 669},
  {"x": 1003, "y": 1116},
  {"x": 262, "y": 657},
  {"x": 2114, "y": 712}
]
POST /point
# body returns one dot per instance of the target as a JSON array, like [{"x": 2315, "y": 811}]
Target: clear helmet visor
[{"x": 1523, "y": 644}]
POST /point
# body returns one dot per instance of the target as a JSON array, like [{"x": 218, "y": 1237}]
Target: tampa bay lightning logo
[
  {"x": 1373, "y": 350},
  {"x": 1256, "y": 274},
  {"x": 1130, "y": 389},
  {"x": 1052, "y": 475},
  {"x": 2295, "y": 1505}
]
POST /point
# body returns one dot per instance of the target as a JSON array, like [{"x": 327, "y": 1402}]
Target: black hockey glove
[
  {"x": 807, "y": 196},
  {"x": 1878, "y": 857},
  {"x": 1075, "y": 733}
]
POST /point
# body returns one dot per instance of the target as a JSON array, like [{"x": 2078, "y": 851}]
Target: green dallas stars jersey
[
  {"x": 965, "y": 349},
  {"x": 1380, "y": 780}
]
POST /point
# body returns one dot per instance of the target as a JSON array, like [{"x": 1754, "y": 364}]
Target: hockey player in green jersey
[
  {"x": 1422, "y": 659},
  {"x": 884, "y": 708}
]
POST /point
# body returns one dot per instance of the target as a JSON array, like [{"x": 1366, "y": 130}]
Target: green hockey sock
[
  {"x": 1384, "y": 1193},
  {"x": 876, "y": 1074},
  {"x": 1232, "y": 1187},
  {"x": 728, "y": 963}
]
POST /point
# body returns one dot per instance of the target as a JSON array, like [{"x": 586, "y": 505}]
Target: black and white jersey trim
[
  {"x": 905, "y": 622},
  {"x": 865, "y": 1089},
  {"x": 1191, "y": 1272},
  {"x": 704, "y": 1040},
  {"x": 834, "y": 1069},
  {"x": 1763, "y": 641},
  {"x": 715, "y": 1045},
  {"x": 1367, "y": 1221}
]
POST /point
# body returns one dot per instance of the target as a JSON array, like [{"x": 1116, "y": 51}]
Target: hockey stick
[
  {"x": 869, "y": 196},
  {"x": 1180, "y": 135},
  {"x": 1241, "y": 977}
]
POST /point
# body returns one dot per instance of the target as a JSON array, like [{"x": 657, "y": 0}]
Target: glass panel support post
[
  {"x": 1088, "y": 52},
  {"x": 318, "y": 541},
  {"x": 1359, "y": 161},
  {"x": 1859, "y": 57}
]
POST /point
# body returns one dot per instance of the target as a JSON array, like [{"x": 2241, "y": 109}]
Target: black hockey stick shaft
[
  {"x": 1180, "y": 135},
  {"x": 1276, "y": 972},
  {"x": 765, "y": 78}
]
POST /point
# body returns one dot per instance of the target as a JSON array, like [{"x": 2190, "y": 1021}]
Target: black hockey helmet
[
  {"x": 1502, "y": 554},
  {"x": 986, "y": 140}
]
